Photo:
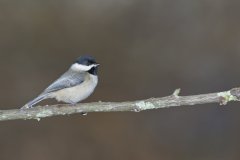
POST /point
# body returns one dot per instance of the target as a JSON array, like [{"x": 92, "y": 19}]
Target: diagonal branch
[{"x": 153, "y": 103}]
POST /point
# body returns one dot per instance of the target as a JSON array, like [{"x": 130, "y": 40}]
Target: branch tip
[{"x": 225, "y": 97}]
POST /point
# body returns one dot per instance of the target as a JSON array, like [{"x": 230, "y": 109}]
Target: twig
[{"x": 173, "y": 100}]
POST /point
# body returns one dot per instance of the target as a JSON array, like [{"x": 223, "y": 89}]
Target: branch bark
[{"x": 173, "y": 100}]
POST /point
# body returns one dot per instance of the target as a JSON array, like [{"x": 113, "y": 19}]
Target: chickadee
[{"x": 74, "y": 85}]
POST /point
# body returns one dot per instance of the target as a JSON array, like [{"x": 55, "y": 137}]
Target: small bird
[{"x": 74, "y": 85}]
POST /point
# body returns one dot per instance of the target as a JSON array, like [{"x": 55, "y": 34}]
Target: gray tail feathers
[{"x": 34, "y": 101}]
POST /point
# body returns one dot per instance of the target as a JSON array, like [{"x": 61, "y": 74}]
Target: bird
[{"x": 75, "y": 85}]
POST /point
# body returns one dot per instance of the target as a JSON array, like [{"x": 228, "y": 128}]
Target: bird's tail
[{"x": 34, "y": 101}]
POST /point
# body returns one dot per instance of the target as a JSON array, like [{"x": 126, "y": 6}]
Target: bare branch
[{"x": 173, "y": 100}]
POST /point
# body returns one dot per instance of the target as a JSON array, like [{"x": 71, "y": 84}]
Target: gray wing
[{"x": 67, "y": 80}]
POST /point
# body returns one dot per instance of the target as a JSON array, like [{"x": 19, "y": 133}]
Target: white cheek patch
[{"x": 80, "y": 67}]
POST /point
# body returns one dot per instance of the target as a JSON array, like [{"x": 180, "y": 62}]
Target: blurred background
[{"x": 147, "y": 48}]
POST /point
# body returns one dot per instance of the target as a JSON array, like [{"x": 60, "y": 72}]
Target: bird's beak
[{"x": 97, "y": 64}]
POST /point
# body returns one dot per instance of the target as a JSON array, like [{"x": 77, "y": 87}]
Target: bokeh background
[{"x": 147, "y": 48}]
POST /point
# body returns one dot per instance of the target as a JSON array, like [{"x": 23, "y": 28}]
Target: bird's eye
[{"x": 90, "y": 63}]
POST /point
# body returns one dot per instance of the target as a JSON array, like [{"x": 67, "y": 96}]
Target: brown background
[{"x": 147, "y": 48}]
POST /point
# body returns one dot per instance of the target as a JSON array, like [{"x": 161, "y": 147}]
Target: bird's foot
[{"x": 84, "y": 113}]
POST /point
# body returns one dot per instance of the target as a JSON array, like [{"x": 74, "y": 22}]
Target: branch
[{"x": 173, "y": 100}]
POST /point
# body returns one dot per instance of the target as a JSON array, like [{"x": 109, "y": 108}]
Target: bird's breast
[{"x": 78, "y": 92}]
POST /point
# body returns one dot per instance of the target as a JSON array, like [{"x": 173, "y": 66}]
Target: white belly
[{"x": 77, "y": 93}]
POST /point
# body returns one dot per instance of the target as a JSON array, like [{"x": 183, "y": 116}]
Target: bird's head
[{"x": 85, "y": 63}]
